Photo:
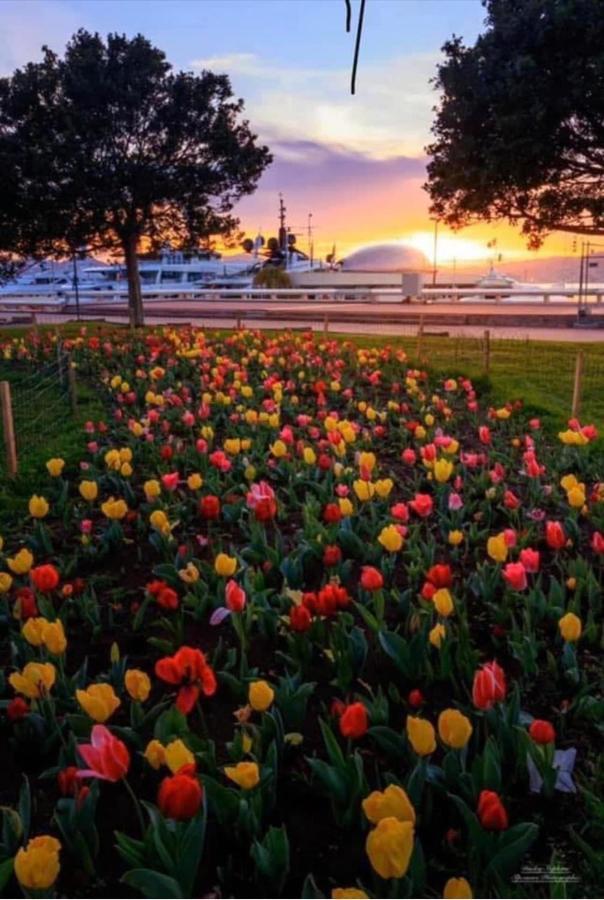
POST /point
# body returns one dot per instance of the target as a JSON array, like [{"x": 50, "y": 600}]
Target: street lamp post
[
  {"x": 76, "y": 285},
  {"x": 435, "y": 252}
]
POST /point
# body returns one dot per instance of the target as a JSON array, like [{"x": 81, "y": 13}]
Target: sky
[{"x": 357, "y": 163}]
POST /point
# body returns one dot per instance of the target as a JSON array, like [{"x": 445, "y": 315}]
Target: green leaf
[
  {"x": 516, "y": 842},
  {"x": 152, "y": 884}
]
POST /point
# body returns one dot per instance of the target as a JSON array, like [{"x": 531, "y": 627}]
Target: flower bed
[{"x": 301, "y": 621}]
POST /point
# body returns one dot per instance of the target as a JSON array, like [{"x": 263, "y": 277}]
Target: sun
[{"x": 449, "y": 248}]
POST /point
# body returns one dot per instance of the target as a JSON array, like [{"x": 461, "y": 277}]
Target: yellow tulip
[
  {"x": 6, "y": 581},
  {"x": 260, "y": 695},
  {"x": 568, "y": 482},
  {"x": 346, "y": 507},
  {"x": 54, "y": 638},
  {"x": 21, "y": 563},
  {"x": 363, "y": 489},
  {"x": 437, "y": 634},
  {"x": 345, "y": 893},
  {"x": 576, "y": 438},
  {"x": 55, "y": 466},
  {"x": 160, "y": 522},
  {"x": 114, "y": 509},
  {"x": 89, "y": 490},
  {"x": 279, "y": 449},
  {"x": 497, "y": 548},
  {"x": 390, "y": 538},
  {"x": 570, "y": 627},
  {"x": 38, "y": 507},
  {"x": 177, "y": 755},
  {"x": 443, "y": 601},
  {"x": 392, "y": 802},
  {"x": 190, "y": 573},
  {"x": 455, "y": 538},
  {"x": 389, "y": 847},
  {"x": 454, "y": 728},
  {"x": 383, "y": 487},
  {"x": 576, "y": 496},
  {"x": 443, "y": 470},
  {"x": 35, "y": 680},
  {"x": 421, "y": 735},
  {"x": 152, "y": 489},
  {"x": 245, "y": 774},
  {"x": 225, "y": 565},
  {"x": 155, "y": 754},
  {"x": 457, "y": 889},
  {"x": 138, "y": 684},
  {"x": 99, "y": 701},
  {"x": 194, "y": 481},
  {"x": 309, "y": 456},
  {"x": 37, "y": 866},
  {"x": 367, "y": 461},
  {"x": 33, "y": 631}
]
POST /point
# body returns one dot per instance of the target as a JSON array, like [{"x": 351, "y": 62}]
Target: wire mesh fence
[{"x": 35, "y": 405}]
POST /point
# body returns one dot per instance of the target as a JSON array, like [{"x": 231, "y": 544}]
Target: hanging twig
[
  {"x": 357, "y": 47},
  {"x": 348, "y": 14}
]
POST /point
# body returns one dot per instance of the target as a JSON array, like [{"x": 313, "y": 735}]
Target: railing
[{"x": 319, "y": 295}]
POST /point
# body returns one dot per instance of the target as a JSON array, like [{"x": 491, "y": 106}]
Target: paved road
[{"x": 514, "y": 332}]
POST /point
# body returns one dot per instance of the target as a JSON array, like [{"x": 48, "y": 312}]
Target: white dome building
[{"x": 393, "y": 256}]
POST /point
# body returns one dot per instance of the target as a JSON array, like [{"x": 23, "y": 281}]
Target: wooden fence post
[
  {"x": 8, "y": 426},
  {"x": 72, "y": 385},
  {"x": 578, "y": 384},
  {"x": 238, "y": 323},
  {"x": 420, "y": 337},
  {"x": 487, "y": 351},
  {"x": 325, "y": 325}
]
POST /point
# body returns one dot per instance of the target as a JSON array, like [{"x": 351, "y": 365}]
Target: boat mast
[{"x": 282, "y": 229}]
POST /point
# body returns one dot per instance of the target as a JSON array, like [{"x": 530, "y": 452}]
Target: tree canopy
[
  {"x": 107, "y": 147},
  {"x": 519, "y": 131}
]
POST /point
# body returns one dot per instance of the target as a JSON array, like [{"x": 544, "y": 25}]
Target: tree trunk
[{"x": 135, "y": 299}]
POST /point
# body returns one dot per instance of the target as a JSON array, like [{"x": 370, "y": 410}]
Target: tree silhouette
[
  {"x": 108, "y": 147},
  {"x": 520, "y": 127}
]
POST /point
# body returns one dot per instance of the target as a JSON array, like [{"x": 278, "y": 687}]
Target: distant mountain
[{"x": 550, "y": 269}]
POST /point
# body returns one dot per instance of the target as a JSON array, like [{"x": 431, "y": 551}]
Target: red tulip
[
  {"x": 106, "y": 756},
  {"x": 209, "y": 507},
  {"x": 300, "y": 618},
  {"x": 415, "y": 698},
  {"x": 332, "y": 513},
  {"x": 371, "y": 578},
  {"x": 555, "y": 535},
  {"x": 354, "y": 721},
  {"x": 179, "y": 796},
  {"x": 234, "y": 596},
  {"x": 25, "y": 603},
  {"x": 67, "y": 780},
  {"x": 44, "y": 578},
  {"x": 510, "y": 500},
  {"x": 261, "y": 499},
  {"x": 17, "y": 709},
  {"x": 542, "y": 732},
  {"x": 189, "y": 669},
  {"x": 440, "y": 575},
  {"x": 597, "y": 542},
  {"x": 332, "y": 555},
  {"x": 489, "y": 686},
  {"x": 530, "y": 560},
  {"x": 515, "y": 576},
  {"x": 491, "y": 811},
  {"x": 422, "y": 505}
]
